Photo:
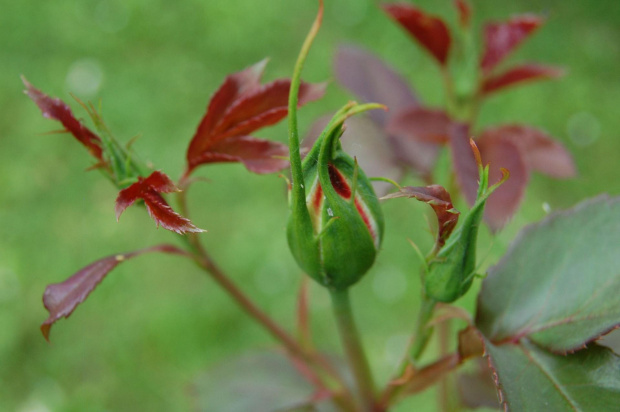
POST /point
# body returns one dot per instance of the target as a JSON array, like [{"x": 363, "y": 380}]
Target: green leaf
[
  {"x": 262, "y": 382},
  {"x": 558, "y": 284},
  {"x": 529, "y": 378}
]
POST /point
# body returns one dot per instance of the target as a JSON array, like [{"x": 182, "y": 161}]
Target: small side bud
[{"x": 451, "y": 272}]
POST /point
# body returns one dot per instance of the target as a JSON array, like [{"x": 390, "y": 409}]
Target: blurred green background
[{"x": 156, "y": 322}]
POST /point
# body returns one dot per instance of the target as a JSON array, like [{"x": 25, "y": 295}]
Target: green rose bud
[
  {"x": 336, "y": 224},
  {"x": 451, "y": 272}
]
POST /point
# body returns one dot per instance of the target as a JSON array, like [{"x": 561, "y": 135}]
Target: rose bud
[{"x": 336, "y": 223}]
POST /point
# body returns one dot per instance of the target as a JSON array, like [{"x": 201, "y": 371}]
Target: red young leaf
[
  {"x": 422, "y": 124},
  {"x": 540, "y": 152},
  {"x": 258, "y": 155},
  {"x": 430, "y": 31},
  {"x": 149, "y": 190},
  {"x": 464, "y": 10},
  {"x": 518, "y": 75},
  {"x": 502, "y": 38},
  {"x": 56, "y": 109},
  {"x": 239, "y": 107},
  {"x": 61, "y": 299},
  {"x": 439, "y": 199}
]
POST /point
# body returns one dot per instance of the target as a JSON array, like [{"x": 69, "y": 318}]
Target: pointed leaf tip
[
  {"x": 56, "y": 109},
  {"x": 477, "y": 156},
  {"x": 501, "y": 38},
  {"x": 430, "y": 31}
]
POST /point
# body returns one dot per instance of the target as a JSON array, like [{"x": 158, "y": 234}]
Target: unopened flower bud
[{"x": 336, "y": 228}]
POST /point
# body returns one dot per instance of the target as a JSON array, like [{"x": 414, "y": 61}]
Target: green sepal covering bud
[
  {"x": 450, "y": 274},
  {"x": 336, "y": 227}
]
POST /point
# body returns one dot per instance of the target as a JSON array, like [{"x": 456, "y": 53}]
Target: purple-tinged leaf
[
  {"x": 149, "y": 189},
  {"x": 558, "y": 283},
  {"x": 500, "y": 39},
  {"x": 519, "y": 75},
  {"x": 239, "y": 107},
  {"x": 464, "y": 10},
  {"x": 61, "y": 299},
  {"x": 372, "y": 80},
  {"x": 439, "y": 199},
  {"x": 430, "y": 31},
  {"x": 56, "y": 109},
  {"x": 463, "y": 161},
  {"x": 422, "y": 124},
  {"x": 498, "y": 153},
  {"x": 540, "y": 152},
  {"x": 505, "y": 201}
]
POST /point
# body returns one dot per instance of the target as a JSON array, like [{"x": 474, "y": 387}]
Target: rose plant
[{"x": 537, "y": 320}]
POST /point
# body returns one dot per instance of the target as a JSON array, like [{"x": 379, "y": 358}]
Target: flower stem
[{"x": 353, "y": 348}]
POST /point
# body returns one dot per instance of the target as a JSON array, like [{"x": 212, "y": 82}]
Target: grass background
[{"x": 157, "y": 321}]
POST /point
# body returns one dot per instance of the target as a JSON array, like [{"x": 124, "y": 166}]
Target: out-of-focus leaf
[
  {"x": 558, "y": 284},
  {"x": 374, "y": 81},
  {"x": 149, "y": 189},
  {"x": 266, "y": 381},
  {"x": 463, "y": 161},
  {"x": 540, "y": 152},
  {"x": 56, "y": 109},
  {"x": 464, "y": 10},
  {"x": 364, "y": 140},
  {"x": 430, "y": 31},
  {"x": 501, "y": 153},
  {"x": 503, "y": 37},
  {"x": 476, "y": 388},
  {"x": 529, "y": 378},
  {"x": 439, "y": 199},
  {"x": 421, "y": 123},
  {"x": 518, "y": 75},
  {"x": 498, "y": 153},
  {"x": 61, "y": 299},
  {"x": 240, "y": 107},
  {"x": 371, "y": 79}
]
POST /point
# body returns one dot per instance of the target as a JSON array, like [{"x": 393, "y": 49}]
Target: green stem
[
  {"x": 422, "y": 332},
  {"x": 353, "y": 348},
  {"x": 298, "y": 192},
  {"x": 204, "y": 261}
]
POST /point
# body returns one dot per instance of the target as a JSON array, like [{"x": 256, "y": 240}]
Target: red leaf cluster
[
  {"x": 239, "y": 107},
  {"x": 54, "y": 108},
  {"x": 430, "y": 31},
  {"x": 149, "y": 190},
  {"x": 61, "y": 299}
]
